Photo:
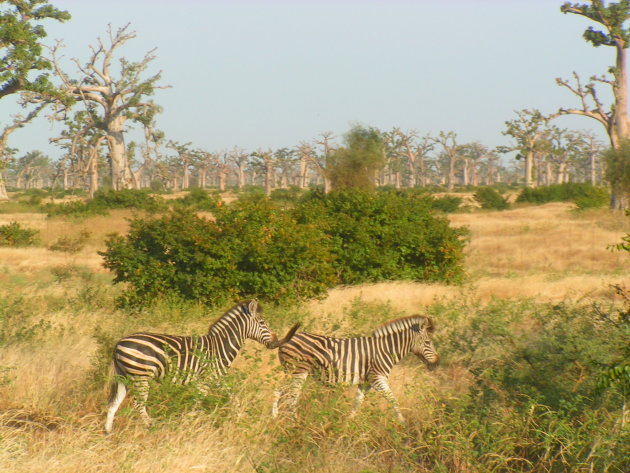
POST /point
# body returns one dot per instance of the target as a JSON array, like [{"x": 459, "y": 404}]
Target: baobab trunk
[
  {"x": 3, "y": 188},
  {"x": 529, "y": 166},
  {"x": 122, "y": 177}
]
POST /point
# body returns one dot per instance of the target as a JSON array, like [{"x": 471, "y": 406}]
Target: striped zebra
[
  {"x": 142, "y": 356},
  {"x": 363, "y": 361}
]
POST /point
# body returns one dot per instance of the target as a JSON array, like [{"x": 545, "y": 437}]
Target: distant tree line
[{"x": 98, "y": 104}]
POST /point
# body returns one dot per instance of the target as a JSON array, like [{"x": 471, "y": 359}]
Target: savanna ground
[{"x": 525, "y": 266}]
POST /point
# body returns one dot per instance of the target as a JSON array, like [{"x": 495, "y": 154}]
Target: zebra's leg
[
  {"x": 141, "y": 394},
  {"x": 119, "y": 391},
  {"x": 379, "y": 383},
  {"x": 289, "y": 395},
  {"x": 276, "y": 400},
  {"x": 358, "y": 399}
]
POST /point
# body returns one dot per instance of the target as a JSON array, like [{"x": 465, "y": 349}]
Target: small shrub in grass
[
  {"x": 73, "y": 209},
  {"x": 287, "y": 196},
  {"x": 127, "y": 199},
  {"x": 13, "y": 234},
  {"x": 447, "y": 203},
  {"x": 489, "y": 198},
  {"x": 69, "y": 244},
  {"x": 199, "y": 199},
  {"x": 107, "y": 199},
  {"x": 169, "y": 400},
  {"x": 585, "y": 193},
  {"x": 593, "y": 197}
]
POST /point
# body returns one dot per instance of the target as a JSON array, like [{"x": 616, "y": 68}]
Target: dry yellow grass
[{"x": 48, "y": 424}]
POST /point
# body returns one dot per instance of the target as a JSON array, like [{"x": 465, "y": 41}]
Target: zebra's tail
[
  {"x": 278, "y": 343},
  {"x": 115, "y": 374}
]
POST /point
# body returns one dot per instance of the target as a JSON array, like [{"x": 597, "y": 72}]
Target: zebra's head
[
  {"x": 422, "y": 347},
  {"x": 256, "y": 328}
]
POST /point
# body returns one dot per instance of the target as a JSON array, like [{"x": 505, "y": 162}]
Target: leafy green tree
[
  {"x": 355, "y": 164},
  {"x": 21, "y": 48},
  {"x": 23, "y": 68},
  {"x": 612, "y": 18}
]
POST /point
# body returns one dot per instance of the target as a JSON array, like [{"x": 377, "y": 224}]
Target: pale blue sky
[{"x": 270, "y": 74}]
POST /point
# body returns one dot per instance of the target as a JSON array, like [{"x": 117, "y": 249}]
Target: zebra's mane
[
  {"x": 401, "y": 324},
  {"x": 241, "y": 307}
]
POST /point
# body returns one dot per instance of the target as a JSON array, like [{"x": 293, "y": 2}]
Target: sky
[{"x": 271, "y": 74}]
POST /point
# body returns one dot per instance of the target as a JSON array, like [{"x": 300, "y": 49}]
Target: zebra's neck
[
  {"x": 226, "y": 339},
  {"x": 398, "y": 344}
]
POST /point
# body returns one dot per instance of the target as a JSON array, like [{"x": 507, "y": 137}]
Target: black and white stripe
[
  {"x": 366, "y": 361},
  {"x": 142, "y": 356}
]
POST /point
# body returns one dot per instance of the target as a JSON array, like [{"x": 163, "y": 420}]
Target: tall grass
[{"x": 521, "y": 345}]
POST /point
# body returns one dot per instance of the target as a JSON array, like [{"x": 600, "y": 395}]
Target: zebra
[
  {"x": 142, "y": 356},
  {"x": 363, "y": 361}
]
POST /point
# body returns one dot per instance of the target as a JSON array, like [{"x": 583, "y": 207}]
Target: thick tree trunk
[
  {"x": 529, "y": 166},
  {"x": 93, "y": 177},
  {"x": 423, "y": 175},
  {"x": 451, "y": 173},
  {"x": 122, "y": 177},
  {"x": 269, "y": 176},
  {"x": 3, "y": 188},
  {"x": 241, "y": 176},
  {"x": 303, "y": 177},
  {"x": 186, "y": 175}
]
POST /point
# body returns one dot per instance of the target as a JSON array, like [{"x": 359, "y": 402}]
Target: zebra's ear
[
  {"x": 429, "y": 324},
  {"x": 253, "y": 306}
]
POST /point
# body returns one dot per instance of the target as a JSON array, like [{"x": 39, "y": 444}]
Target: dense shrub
[
  {"x": 385, "y": 236},
  {"x": 446, "y": 203},
  {"x": 255, "y": 248},
  {"x": 13, "y": 234},
  {"x": 489, "y": 198},
  {"x": 250, "y": 250},
  {"x": 70, "y": 244},
  {"x": 586, "y": 194},
  {"x": 104, "y": 200},
  {"x": 199, "y": 199},
  {"x": 127, "y": 199},
  {"x": 593, "y": 197}
]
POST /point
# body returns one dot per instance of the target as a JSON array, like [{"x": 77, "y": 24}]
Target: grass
[{"x": 58, "y": 322}]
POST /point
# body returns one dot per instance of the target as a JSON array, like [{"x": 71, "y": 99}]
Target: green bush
[
  {"x": 69, "y": 244},
  {"x": 251, "y": 249},
  {"x": 586, "y": 194},
  {"x": 385, "y": 236},
  {"x": 199, "y": 199},
  {"x": 12, "y": 234},
  {"x": 489, "y": 198},
  {"x": 593, "y": 197},
  {"x": 447, "y": 203},
  {"x": 255, "y": 248},
  {"x": 104, "y": 200}
]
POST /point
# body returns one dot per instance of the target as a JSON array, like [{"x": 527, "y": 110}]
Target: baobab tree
[
  {"x": 614, "y": 119},
  {"x": 321, "y": 161},
  {"x": 266, "y": 160},
  {"x": 451, "y": 150},
  {"x": 528, "y": 130},
  {"x": 185, "y": 155},
  {"x": 118, "y": 99},
  {"x": 239, "y": 157},
  {"x": 415, "y": 151}
]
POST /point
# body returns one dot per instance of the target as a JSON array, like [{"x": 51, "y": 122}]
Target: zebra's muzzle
[
  {"x": 275, "y": 343},
  {"x": 432, "y": 365}
]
